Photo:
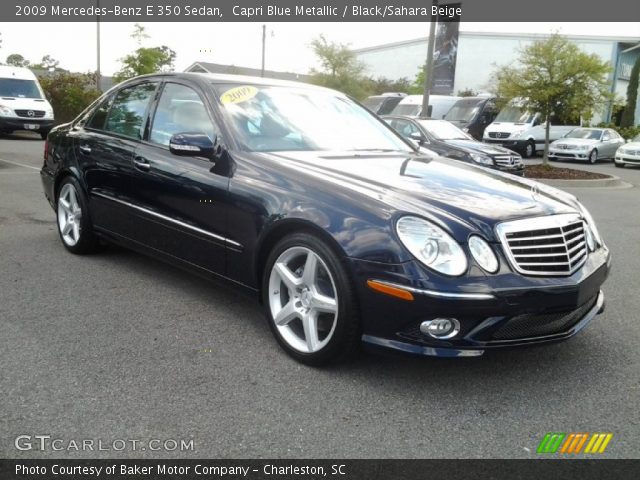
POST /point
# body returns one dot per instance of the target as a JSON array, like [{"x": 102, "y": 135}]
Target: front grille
[
  {"x": 499, "y": 134},
  {"x": 564, "y": 146},
  {"x": 553, "y": 245},
  {"x": 25, "y": 113},
  {"x": 508, "y": 160},
  {"x": 538, "y": 325}
]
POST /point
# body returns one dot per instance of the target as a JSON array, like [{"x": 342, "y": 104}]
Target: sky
[{"x": 287, "y": 46}]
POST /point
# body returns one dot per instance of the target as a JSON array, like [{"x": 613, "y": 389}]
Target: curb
[{"x": 611, "y": 182}]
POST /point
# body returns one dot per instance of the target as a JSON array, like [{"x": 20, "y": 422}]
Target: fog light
[{"x": 441, "y": 328}]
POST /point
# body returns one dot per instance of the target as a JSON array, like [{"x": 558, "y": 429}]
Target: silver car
[{"x": 589, "y": 144}]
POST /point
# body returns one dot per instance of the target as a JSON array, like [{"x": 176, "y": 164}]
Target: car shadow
[
  {"x": 539, "y": 367},
  {"x": 21, "y": 136}
]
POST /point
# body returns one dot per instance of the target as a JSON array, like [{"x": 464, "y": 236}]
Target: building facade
[{"x": 479, "y": 53}]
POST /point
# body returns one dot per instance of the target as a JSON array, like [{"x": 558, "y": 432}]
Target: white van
[
  {"x": 411, "y": 105},
  {"x": 522, "y": 131},
  {"x": 23, "y": 105}
]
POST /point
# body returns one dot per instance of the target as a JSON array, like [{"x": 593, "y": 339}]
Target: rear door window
[{"x": 129, "y": 110}]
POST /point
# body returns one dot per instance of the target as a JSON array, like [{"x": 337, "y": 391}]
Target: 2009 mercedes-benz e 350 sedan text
[{"x": 343, "y": 228}]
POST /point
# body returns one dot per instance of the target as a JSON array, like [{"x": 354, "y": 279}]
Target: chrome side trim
[
  {"x": 438, "y": 294},
  {"x": 168, "y": 219}
]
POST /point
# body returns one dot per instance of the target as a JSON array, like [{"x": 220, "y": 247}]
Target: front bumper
[
  {"x": 569, "y": 154},
  {"x": 504, "y": 310},
  {"x": 515, "y": 145},
  {"x": 29, "y": 124},
  {"x": 627, "y": 159}
]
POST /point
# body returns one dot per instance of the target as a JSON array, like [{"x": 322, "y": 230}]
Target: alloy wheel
[
  {"x": 69, "y": 215},
  {"x": 303, "y": 299}
]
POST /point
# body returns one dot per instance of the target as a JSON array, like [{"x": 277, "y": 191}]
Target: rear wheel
[
  {"x": 74, "y": 223},
  {"x": 593, "y": 156},
  {"x": 310, "y": 302}
]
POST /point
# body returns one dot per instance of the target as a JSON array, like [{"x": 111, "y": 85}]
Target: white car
[
  {"x": 628, "y": 154},
  {"x": 587, "y": 144}
]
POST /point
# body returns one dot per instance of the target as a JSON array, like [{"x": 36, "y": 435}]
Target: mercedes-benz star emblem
[{"x": 30, "y": 113}]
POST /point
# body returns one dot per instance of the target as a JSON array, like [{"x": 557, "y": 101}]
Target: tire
[
  {"x": 529, "y": 149},
  {"x": 318, "y": 321},
  {"x": 71, "y": 204},
  {"x": 619, "y": 164},
  {"x": 593, "y": 157}
]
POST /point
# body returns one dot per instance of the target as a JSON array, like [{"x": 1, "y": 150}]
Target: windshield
[
  {"x": 513, "y": 114},
  {"x": 442, "y": 130},
  {"x": 588, "y": 133},
  {"x": 272, "y": 118},
  {"x": 407, "y": 109},
  {"x": 14, "y": 87},
  {"x": 463, "y": 111},
  {"x": 373, "y": 103}
]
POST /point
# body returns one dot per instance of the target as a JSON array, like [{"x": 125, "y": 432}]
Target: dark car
[
  {"x": 473, "y": 114},
  {"x": 449, "y": 141},
  {"x": 342, "y": 228},
  {"x": 383, "y": 104}
]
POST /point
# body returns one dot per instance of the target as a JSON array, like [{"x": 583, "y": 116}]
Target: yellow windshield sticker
[{"x": 239, "y": 94}]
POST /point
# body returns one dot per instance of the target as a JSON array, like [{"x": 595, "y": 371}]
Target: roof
[
  {"x": 21, "y": 73},
  {"x": 207, "y": 67}
]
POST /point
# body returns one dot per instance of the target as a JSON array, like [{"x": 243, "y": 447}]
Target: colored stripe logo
[{"x": 574, "y": 443}]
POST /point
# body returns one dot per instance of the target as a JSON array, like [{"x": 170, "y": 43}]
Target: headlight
[
  {"x": 49, "y": 113},
  {"x": 483, "y": 254},
  {"x": 517, "y": 134},
  {"x": 591, "y": 225},
  {"x": 430, "y": 244},
  {"x": 481, "y": 159},
  {"x": 6, "y": 111},
  {"x": 584, "y": 147}
]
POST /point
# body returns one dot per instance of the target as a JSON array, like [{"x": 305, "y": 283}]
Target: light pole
[
  {"x": 98, "y": 74},
  {"x": 264, "y": 40},
  {"x": 429, "y": 65}
]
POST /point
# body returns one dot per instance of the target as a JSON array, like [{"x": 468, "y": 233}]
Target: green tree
[
  {"x": 340, "y": 69},
  {"x": 382, "y": 85},
  {"x": 145, "y": 59},
  {"x": 418, "y": 82},
  {"x": 47, "y": 63},
  {"x": 555, "y": 77},
  {"x": 69, "y": 93},
  {"x": 629, "y": 114},
  {"x": 467, "y": 92},
  {"x": 17, "y": 60}
]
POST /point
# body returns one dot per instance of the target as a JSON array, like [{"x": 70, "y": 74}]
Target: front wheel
[
  {"x": 310, "y": 302},
  {"x": 74, "y": 223},
  {"x": 593, "y": 157},
  {"x": 529, "y": 149}
]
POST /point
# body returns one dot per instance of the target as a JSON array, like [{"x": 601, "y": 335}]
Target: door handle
[
  {"x": 86, "y": 149},
  {"x": 142, "y": 163}
]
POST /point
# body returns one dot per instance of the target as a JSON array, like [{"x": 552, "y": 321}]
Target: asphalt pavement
[{"x": 118, "y": 346}]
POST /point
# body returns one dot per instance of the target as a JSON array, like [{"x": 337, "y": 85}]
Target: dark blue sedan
[{"x": 343, "y": 229}]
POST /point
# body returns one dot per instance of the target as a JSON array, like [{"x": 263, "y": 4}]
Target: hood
[
  {"x": 507, "y": 127},
  {"x": 474, "y": 146},
  {"x": 575, "y": 141},
  {"x": 457, "y": 193},
  {"x": 25, "y": 103},
  {"x": 631, "y": 145}
]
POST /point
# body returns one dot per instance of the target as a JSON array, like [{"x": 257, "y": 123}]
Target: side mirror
[
  {"x": 417, "y": 137},
  {"x": 192, "y": 145}
]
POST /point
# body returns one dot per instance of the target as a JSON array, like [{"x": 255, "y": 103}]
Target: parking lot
[{"x": 120, "y": 346}]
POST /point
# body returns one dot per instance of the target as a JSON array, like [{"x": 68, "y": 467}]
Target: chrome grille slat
[{"x": 526, "y": 244}]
